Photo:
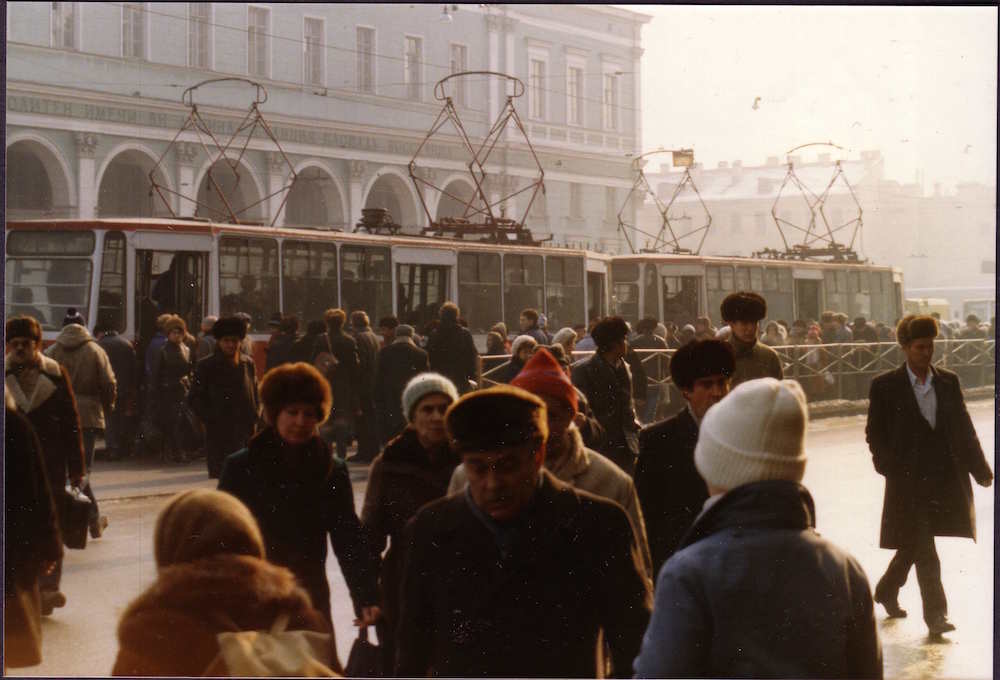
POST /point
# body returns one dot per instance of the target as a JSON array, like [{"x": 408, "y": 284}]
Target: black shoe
[
  {"x": 98, "y": 527},
  {"x": 52, "y": 599},
  {"x": 939, "y": 626},
  {"x": 892, "y": 607}
]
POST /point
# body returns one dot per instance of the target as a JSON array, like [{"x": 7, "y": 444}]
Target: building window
[
  {"x": 536, "y": 89},
  {"x": 64, "y": 25},
  {"x": 459, "y": 63},
  {"x": 366, "y": 59},
  {"x": 575, "y": 200},
  {"x": 313, "y": 60},
  {"x": 258, "y": 28},
  {"x": 574, "y": 92},
  {"x": 199, "y": 34},
  {"x": 610, "y": 101},
  {"x": 133, "y": 30},
  {"x": 412, "y": 58}
]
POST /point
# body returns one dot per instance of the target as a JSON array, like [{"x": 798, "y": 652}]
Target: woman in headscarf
[{"x": 212, "y": 577}]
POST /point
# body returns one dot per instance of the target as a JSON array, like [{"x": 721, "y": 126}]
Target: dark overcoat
[
  {"x": 469, "y": 609},
  {"x": 298, "y": 498},
  {"x": 609, "y": 392},
  {"x": 345, "y": 378},
  {"x": 452, "y": 353},
  {"x": 926, "y": 471},
  {"x": 368, "y": 349},
  {"x": 224, "y": 397},
  {"x": 398, "y": 362},
  {"x": 671, "y": 492}
]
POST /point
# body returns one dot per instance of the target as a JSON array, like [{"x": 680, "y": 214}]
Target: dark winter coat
[
  {"x": 121, "y": 354},
  {"x": 469, "y": 610},
  {"x": 170, "y": 385},
  {"x": 298, "y": 498},
  {"x": 51, "y": 410},
  {"x": 398, "y": 362},
  {"x": 754, "y": 361},
  {"x": 171, "y": 628},
  {"x": 279, "y": 349},
  {"x": 653, "y": 368},
  {"x": 609, "y": 393},
  {"x": 345, "y": 378},
  {"x": 671, "y": 492},
  {"x": 452, "y": 353},
  {"x": 224, "y": 397},
  {"x": 302, "y": 349},
  {"x": 368, "y": 348},
  {"x": 507, "y": 372},
  {"x": 540, "y": 336},
  {"x": 591, "y": 429},
  {"x": 926, "y": 471},
  {"x": 755, "y": 592}
]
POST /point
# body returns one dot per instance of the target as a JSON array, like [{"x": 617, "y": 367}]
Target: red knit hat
[{"x": 543, "y": 376}]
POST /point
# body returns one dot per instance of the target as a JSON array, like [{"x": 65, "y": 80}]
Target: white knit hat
[
  {"x": 756, "y": 432},
  {"x": 422, "y": 385}
]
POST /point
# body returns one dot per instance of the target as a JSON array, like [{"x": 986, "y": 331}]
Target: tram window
[
  {"x": 785, "y": 280},
  {"x": 44, "y": 288},
  {"x": 742, "y": 278},
  {"x": 876, "y": 282},
  {"x": 248, "y": 278},
  {"x": 861, "y": 282},
  {"x": 756, "y": 278},
  {"x": 770, "y": 279},
  {"x": 111, "y": 299},
  {"x": 680, "y": 299},
  {"x": 309, "y": 279},
  {"x": 712, "y": 278},
  {"x": 726, "y": 278},
  {"x": 50, "y": 243},
  {"x": 366, "y": 281},
  {"x": 479, "y": 289},
  {"x": 564, "y": 292},
  {"x": 522, "y": 275},
  {"x": 625, "y": 301},
  {"x": 421, "y": 290},
  {"x": 625, "y": 271},
  {"x": 830, "y": 282}
]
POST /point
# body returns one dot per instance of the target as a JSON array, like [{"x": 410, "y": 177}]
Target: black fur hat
[
  {"x": 229, "y": 326},
  {"x": 743, "y": 306},
  {"x": 701, "y": 359},
  {"x": 23, "y": 327},
  {"x": 913, "y": 327}
]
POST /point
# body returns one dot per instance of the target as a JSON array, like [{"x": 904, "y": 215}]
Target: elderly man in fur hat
[
  {"x": 923, "y": 443},
  {"x": 44, "y": 394},
  {"x": 520, "y": 574},
  {"x": 742, "y": 311},
  {"x": 224, "y": 394}
]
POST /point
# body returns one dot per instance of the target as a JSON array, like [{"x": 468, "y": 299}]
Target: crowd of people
[{"x": 530, "y": 529}]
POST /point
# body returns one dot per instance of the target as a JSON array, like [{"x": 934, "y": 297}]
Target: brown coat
[
  {"x": 171, "y": 628},
  {"x": 754, "y": 361},
  {"x": 922, "y": 478}
]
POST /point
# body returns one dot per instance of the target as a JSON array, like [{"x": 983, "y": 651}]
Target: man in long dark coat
[
  {"x": 671, "y": 492},
  {"x": 923, "y": 443},
  {"x": 367, "y": 423},
  {"x": 398, "y": 362},
  {"x": 520, "y": 574},
  {"x": 224, "y": 394},
  {"x": 452, "y": 351},
  {"x": 118, "y": 436},
  {"x": 344, "y": 375}
]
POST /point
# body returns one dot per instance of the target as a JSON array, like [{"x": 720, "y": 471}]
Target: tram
[{"x": 125, "y": 272}]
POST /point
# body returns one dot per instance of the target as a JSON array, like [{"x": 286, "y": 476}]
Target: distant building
[{"x": 94, "y": 90}]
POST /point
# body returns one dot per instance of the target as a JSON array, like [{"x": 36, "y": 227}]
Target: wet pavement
[{"x": 99, "y": 582}]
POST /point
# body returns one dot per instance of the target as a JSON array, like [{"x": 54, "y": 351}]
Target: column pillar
[
  {"x": 494, "y": 85},
  {"x": 509, "y": 68},
  {"x": 277, "y": 169},
  {"x": 86, "y": 191},
  {"x": 186, "y": 154},
  {"x": 432, "y": 197},
  {"x": 357, "y": 173}
]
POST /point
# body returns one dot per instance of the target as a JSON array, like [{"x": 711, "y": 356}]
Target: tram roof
[{"x": 745, "y": 260}]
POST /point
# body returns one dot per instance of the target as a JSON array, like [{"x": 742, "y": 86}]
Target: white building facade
[{"x": 94, "y": 100}]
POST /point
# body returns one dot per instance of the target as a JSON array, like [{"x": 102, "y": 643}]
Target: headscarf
[{"x": 201, "y": 523}]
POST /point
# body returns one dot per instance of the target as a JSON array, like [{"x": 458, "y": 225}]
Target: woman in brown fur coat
[{"x": 212, "y": 578}]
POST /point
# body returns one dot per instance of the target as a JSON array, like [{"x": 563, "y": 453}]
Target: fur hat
[
  {"x": 701, "y": 359},
  {"x": 756, "y": 432},
  {"x": 496, "y": 418},
  {"x": 201, "y": 523},
  {"x": 175, "y": 323},
  {"x": 543, "y": 376},
  {"x": 912, "y": 327},
  {"x": 23, "y": 327},
  {"x": 73, "y": 316},
  {"x": 422, "y": 385},
  {"x": 294, "y": 383},
  {"x": 229, "y": 326},
  {"x": 743, "y": 306},
  {"x": 520, "y": 341}
]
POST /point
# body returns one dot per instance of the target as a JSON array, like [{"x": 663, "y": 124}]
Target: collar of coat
[
  {"x": 740, "y": 348},
  {"x": 770, "y": 504},
  {"x": 575, "y": 462},
  {"x": 50, "y": 375},
  {"x": 312, "y": 461},
  {"x": 404, "y": 451}
]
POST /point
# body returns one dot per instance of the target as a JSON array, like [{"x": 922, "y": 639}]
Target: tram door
[
  {"x": 421, "y": 290},
  {"x": 596, "y": 298},
  {"x": 169, "y": 282},
  {"x": 680, "y": 299},
  {"x": 807, "y": 298}
]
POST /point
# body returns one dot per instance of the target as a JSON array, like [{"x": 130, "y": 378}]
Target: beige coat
[
  {"x": 89, "y": 371},
  {"x": 588, "y": 470}
]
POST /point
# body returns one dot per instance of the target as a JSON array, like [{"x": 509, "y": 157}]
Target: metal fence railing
[{"x": 841, "y": 371}]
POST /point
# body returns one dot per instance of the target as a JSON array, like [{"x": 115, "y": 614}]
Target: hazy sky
[{"x": 919, "y": 83}]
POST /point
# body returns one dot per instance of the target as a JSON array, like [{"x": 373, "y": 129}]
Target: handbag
[
  {"x": 74, "y": 518},
  {"x": 365, "y": 659},
  {"x": 325, "y": 362},
  {"x": 277, "y": 652}
]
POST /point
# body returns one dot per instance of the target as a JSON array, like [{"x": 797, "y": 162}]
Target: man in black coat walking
[
  {"x": 398, "y": 362},
  {"x": 118, "y": 436},
  {"x": 367, "y": 423},
  {"x": 606, "y": 381},
  {"x": 344, "y": 376},
  {"x": 451, "y": 350},
  {"x": 671, "y": 492},
  {"x": 923, "y": 443},
  {"x": 224, "y": 394}
]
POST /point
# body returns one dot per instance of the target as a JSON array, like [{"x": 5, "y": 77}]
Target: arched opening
[
  {"x": 125, "y": 190},
  {"x": 456, "y": 196},
  {"x": 314, "y": 201},
  {"x": 391, "y": 193},
  {"x": 37, "y": 186},
  {"x": 239, "y": 189}
]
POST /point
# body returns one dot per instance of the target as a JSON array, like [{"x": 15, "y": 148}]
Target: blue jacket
[{"x": 754, "y": 591}]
